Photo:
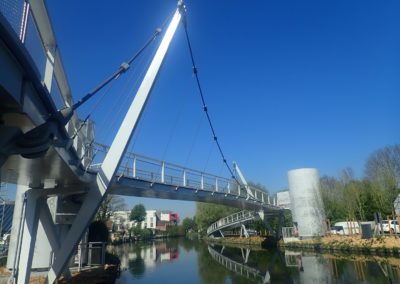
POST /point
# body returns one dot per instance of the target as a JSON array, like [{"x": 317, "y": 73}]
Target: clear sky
[{"x": 288, "y": 83}]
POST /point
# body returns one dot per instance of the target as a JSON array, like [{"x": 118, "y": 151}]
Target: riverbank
[
  {"x": 354, "y": 244},
  {"x": 106, "y": 274},
  {"x": 254, "y": 241}
]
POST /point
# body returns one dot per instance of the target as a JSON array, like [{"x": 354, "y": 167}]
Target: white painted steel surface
[
  {"x": 235, "y": 219},
  {"x": 306, "y": 202},
  {"x": 125, "y": 132},
  {"x": 114, "y": 157}
]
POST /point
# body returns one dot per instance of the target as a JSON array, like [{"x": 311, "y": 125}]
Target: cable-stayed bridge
[{"x": 49, "y": 152}]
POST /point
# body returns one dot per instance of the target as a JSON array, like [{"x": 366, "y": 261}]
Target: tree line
[{"x": 346, "y": 197}]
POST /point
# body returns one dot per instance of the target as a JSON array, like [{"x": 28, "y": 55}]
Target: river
[{"x": 187, "y": 261}]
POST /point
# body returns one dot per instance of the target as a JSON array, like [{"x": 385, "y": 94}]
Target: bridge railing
[
  {"x": 141, "y": 167},
  {"x": 145, "y": 168},
  {"x": 238, "y": 268},
  {"x": 230, "y": 220},
  {"x": 30, "y": 22}
]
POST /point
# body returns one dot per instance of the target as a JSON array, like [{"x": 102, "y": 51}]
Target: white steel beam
[
  {"x": 242, "y": 179},
  {"x": 114, "y": 156},
  {"x": 28, "y": 241},
  {"x": 125, "y": 132}
]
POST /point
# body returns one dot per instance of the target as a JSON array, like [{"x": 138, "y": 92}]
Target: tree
[
  {"x": 110, "y": 204},
  {"x": 332, "y": 197},
  {"x": 188, "y": 224},
  {"x": 206, "y": 214},
  {"x": 383, "y": 170},
  {"x": 138, "y": 213},
  {"x": 257, "y": 186}
]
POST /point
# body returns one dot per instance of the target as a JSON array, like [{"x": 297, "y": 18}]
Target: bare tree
[{"x": 383, "y": 169}]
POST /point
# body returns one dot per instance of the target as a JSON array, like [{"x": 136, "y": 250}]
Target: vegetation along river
[{"x": 188, "y": 261}]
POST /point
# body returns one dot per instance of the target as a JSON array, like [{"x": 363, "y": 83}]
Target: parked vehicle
[
  {"x": 345, "y": 228},
  {"x": 391, "y": 226},
  {"x": 252, "y": 232}
]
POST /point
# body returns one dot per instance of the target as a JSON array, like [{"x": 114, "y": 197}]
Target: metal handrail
[
  {"x": 137, "y": 166},
  {"x": 234, "y": 265},
  {"x": 230, "y": 220}
]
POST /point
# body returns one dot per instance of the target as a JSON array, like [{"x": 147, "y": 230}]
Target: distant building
[
  {"x": 159, "y": 220},
  {"x": 121, "y": 221}
]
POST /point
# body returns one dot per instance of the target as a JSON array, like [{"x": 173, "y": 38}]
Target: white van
[{"x": 345, "y": 228}]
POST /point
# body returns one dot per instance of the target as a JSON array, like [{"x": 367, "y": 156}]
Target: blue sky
[{"x": 288, "y": 84}]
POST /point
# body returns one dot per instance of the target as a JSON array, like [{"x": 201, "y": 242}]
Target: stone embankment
[{"x": 354, "y": 244}]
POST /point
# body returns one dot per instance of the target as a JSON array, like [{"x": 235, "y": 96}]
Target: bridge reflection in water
[{"x": 187, "y": 261}]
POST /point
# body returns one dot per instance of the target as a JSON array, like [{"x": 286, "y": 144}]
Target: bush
[{"x": 141, "y": 233}]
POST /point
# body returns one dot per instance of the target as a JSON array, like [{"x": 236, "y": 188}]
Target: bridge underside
[
  {"x": 24, "y": 104},
  {"x": 142, "y": 188}
]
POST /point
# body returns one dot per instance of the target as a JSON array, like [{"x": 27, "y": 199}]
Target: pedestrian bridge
[
  {"x": 48, "y": 151},
  {"x": 143, "y": 176},
  {"x": 232, "y": 221}
]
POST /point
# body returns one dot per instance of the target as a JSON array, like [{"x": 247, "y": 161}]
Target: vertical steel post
[
  {"x": 163, "y": 172},
  {"x": 134, "y": 166},
  {"x": 184, "y": 178},
  {"x": 202, "y": 181},
  {"x": 48, "y": 72},
  {"x": 29, "y": 236}
]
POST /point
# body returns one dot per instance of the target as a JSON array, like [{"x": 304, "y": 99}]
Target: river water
[{"x": 187, "y": 261}]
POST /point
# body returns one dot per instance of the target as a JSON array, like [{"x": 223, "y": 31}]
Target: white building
[
  {"x": 159, "y": 220},
  {"x": 150, "y": 221},
  {"x": 121, "y": 220}
]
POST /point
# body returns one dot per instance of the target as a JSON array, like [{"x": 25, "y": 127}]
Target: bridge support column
[
  {"x": 81, "y": 222},
  {"x": 28, "y": 236}
]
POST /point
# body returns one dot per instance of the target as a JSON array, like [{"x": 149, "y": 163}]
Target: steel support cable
[
  {"x": 157, "y": 32},
  {"x": 68, "y": 112},
  {"x": 119, "y": 103},
  {"x": 94, "y": 107},
  {"x": 144, "y": 115},
  {"x": 194, "y": 141},
  {"x": 122, "y": 69},
  {"x": 205, "y": 109},
  {"x": 109, "y": 126},
  {"x": 138, "y": 131},
  {"x": 208, "y": 157},
  {"x": 172, "y": 132}
]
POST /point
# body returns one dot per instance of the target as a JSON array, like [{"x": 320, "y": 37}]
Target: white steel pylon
[{"x": 105, "y": 177}]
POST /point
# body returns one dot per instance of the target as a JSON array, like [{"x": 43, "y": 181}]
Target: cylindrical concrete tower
[{"x": 306, "y": 202}]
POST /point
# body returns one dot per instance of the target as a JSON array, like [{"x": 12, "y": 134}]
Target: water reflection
[
  {"x": 183, "y": 261},
  {"x": 136, "y": 258}
]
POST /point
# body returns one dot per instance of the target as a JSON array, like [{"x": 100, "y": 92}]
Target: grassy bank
[
  {"x": 254, "y": 241},
  {"x": 380, "y": 245}
]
